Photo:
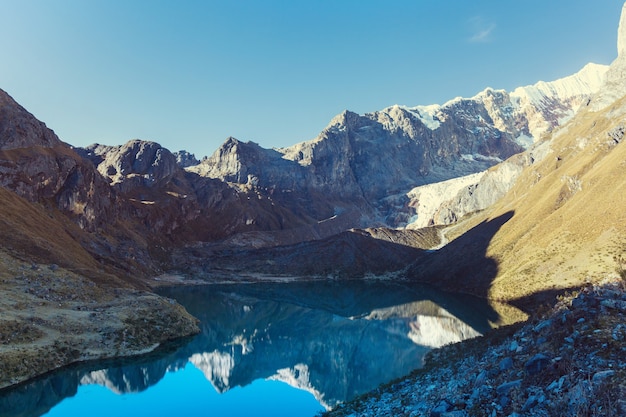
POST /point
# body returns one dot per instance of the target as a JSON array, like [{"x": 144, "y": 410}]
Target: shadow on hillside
[
  {"x": 462, "y": 266},
  {"x": 346, "y": 255},
  {"x": 541, "y": 300}
]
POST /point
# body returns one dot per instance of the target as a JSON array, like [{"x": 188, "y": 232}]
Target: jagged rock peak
[
  {"x": 226, "y": 161},
  {"x": 528, "y": 111},
  {"x": 231, "y": 141},
  {"x": 344, "y": 119},
  {"x": 185, "y": 159},
  {"x": 20, "y": 129},
  {"x": 146, "y": 159},
  {"x": 233, "y": 145}
]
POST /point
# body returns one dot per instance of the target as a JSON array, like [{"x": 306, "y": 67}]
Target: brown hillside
[
  {"x": 32, "y": 233},
  {"x": 569, "y": 221}
]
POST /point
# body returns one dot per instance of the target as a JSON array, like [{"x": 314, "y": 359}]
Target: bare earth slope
[{"x": 51, "y": 317}]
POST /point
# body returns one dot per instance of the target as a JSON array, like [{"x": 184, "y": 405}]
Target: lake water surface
[{"x": 265, "y": 349}]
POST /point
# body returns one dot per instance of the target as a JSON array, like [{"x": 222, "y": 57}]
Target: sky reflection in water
[{"x": 188, "y": 393}]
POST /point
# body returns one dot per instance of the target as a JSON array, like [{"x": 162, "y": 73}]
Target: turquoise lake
[{"x": 291, "y": 349}]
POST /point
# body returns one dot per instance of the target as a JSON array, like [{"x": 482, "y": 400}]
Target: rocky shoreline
[
  {"x": 570, "y": 360},
  {"x": 51, "y": 317}
]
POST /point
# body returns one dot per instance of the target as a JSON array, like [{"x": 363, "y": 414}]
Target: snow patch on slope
[
  {"x": 426, "y": 114},
  {"x": 525, "y": 141}
]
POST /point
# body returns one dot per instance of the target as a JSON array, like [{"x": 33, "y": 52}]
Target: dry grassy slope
[
  {"x": 569, "y": 211},
  {"x": 32, "y": 233}
]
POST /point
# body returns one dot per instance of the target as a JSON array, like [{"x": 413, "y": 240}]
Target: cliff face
[
  {"x": 125, "y": 200},
  {"x": 20, "y": 129},
  {"x": 364, "y": 162},
  {"x": 174, "y": 206},
  {"x": 134, "y": 164}
]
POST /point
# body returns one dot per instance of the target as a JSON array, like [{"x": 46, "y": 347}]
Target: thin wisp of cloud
[{"x": 481, "y": 30}]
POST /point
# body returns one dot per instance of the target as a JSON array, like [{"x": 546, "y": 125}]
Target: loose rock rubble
[{"x": 570, "y": 361}]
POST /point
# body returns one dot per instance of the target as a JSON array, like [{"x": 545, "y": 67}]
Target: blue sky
[{"x": 188, "y": 74}]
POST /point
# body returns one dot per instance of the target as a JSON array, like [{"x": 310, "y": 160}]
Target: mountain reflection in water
[{"x": 334, "y": 339}]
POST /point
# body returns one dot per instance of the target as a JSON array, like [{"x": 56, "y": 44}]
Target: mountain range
[{"x": 505, "y": 195}]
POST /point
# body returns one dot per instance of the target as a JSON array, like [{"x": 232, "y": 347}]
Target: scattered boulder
[
  {"x": 536, "y": 364},
  {"x": 504, "y": 388},
  {"x": 506, "y": 364}
]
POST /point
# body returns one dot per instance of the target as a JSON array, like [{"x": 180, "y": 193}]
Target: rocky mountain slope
[
  {"x": 371, "y": 161},
  {"x": 64, "y": 295},
  {"x": 360, "y": 171}
]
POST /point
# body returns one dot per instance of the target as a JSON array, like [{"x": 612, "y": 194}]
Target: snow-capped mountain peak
[
  {"x": 528, "y": 111},
  {"x": 369, "y": 161}
]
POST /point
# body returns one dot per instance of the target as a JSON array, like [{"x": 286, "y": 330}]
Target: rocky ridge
[
  {"x": 371, "y": 161},
  {"x": 569, "y": 361},
  {"x": 36, "y": 165}
]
